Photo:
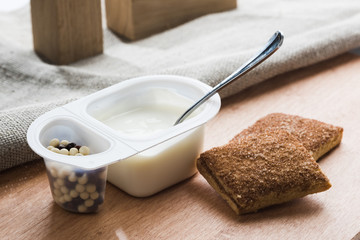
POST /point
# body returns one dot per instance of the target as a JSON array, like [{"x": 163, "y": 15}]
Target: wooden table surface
[{"x": 329, "y": 91}]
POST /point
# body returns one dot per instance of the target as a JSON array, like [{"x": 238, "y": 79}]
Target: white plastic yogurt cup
[{"x": 158, "y": 154}]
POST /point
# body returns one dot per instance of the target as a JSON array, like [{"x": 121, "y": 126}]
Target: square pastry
[
  {"x": 261, "y": 169},
  {"x": 317, "y": 137}
]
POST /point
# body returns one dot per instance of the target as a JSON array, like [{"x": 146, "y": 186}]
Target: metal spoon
[{"x": 271, "y": 46}]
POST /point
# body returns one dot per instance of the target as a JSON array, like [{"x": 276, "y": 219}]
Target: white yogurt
[
  {"x": 159, "y": 167},
  {"x": 163, "y": 165},
  {"x": 149, "y": 113},
  {"x": 145, "y": 120}
]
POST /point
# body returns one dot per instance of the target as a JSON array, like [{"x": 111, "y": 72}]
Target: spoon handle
[{"x": 271, "y": 46}]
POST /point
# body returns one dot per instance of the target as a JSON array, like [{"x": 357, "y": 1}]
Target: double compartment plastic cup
[{"x": 78, "y": 183}]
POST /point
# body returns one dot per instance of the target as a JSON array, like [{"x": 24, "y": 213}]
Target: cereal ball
[
  {"x": 53, "y": 172},
  {"x": 72, "y": 177},
  {"x": 89, "y": 202},
  {"x": 61, "y": 146},
  {"x": 84, "y": 150},
  {"x": 90, "y": 188},
  {"x": 61, "y": 199},
  {"x": 50, "y": 147},
  {"x": 94, "y": 195},
  {"x": 74, "y": 194},
  {"x": 73, "y": 151},
  {"x": 70, "y": 145},
  {"x": 64, "y": 151},
  {"x": 82, "y": 208},
  {"x": 63, "y": 173},
  {"x": 55, "y": 150},
  {"x": 60, "y": 181},
  {"x": 57, "y": 192},
  {"x": 64, "y": 189},
  {"x": 54, "y": 142},
  {"x": 80, "y": 188},
  {"x": 67, "y": 198},
  {"x": 83, "y": 179},
  {"x": 64, "y": 142},
  {"x": 84, "y": 195},
  {"x": 56, "y": 185}
]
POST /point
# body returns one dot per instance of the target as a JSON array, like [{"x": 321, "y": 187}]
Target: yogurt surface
[
  {"x": 145, "y": 120},
  {"x": 150, "y": 116}
]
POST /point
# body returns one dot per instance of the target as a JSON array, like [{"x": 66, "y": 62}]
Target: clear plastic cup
[{"x": 76, "y": 189}]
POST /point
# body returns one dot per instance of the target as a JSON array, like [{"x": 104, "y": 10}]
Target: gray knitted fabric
[{"x": 208, "y": 48}]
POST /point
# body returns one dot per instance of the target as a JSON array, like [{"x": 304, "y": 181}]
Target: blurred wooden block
[
  {"x": 136, "y": 19},
  {"x": 65, "y": 31}
]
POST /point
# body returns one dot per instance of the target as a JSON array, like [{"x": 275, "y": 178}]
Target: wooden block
[
  {"x": 65, "y": 31},
  {"x": 136, "y": 19}
]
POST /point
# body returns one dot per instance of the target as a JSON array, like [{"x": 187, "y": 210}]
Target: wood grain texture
[
  {"x": 65, "y": 31},
  {"x": 135, "y": 19},
  {"x": 328, "y": 91}
]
